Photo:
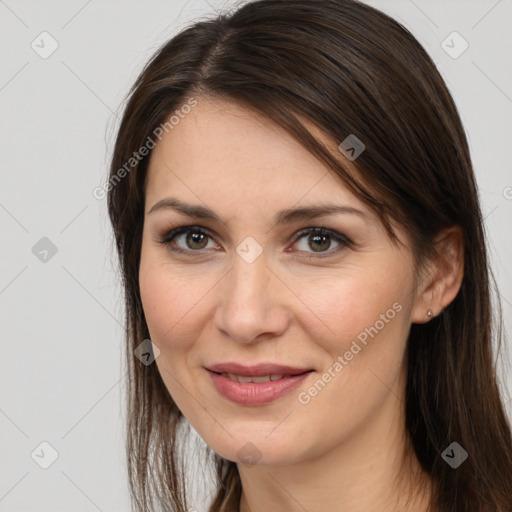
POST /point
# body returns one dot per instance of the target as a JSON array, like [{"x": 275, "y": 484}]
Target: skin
[{"x": 343, "y": 449}]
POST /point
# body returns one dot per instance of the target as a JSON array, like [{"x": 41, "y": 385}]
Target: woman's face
[{"x": 257, "y": 286}]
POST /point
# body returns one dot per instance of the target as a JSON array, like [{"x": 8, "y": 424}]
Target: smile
[
  {"x": 255, "y": 390},
  {"x": 255, "y": 378}
]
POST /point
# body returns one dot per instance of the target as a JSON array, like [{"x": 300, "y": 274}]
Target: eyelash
[{"x": 344, "y": 242}]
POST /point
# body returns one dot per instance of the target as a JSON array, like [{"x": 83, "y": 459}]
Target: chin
[{"x": 257, "y": 448}]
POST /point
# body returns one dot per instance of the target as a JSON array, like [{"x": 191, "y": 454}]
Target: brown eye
[
  {"x": 196, "y": 240},
  {"x": 190, "y": 239},
  {"x": 320, "y": 241}
]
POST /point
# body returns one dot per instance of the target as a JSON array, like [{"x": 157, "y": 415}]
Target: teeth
[
  {"x": 260, "y": 378},
  {"x": 263, "y": 378}
]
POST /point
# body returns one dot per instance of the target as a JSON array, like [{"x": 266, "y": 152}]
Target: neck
[{"x": 373, "y": 469}]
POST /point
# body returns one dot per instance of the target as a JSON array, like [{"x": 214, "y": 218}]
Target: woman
[{"x": 300, "y": 238}]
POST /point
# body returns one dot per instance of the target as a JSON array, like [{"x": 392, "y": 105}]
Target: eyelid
[
  {"x": 167, "y": 237},
  {"x": 342, "y": 239}
]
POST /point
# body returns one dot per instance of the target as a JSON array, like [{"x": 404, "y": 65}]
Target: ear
[{"x": 442, "y": 278}]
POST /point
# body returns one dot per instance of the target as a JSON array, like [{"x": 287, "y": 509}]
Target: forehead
[{"x": 221, "y": 151}]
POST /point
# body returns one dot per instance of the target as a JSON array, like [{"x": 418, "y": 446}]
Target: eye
[
  {"x": 317, "y": 241},
  {"x": 187, "y": 240},
  {"x": 320, "y": 241}
]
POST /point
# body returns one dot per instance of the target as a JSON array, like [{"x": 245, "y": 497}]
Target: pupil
[
  {"x": 318, "y": 239},
  {"x": 196, "y": 238}
]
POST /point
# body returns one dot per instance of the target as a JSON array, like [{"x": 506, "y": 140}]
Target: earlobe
[{"x": 444, "y": 276}]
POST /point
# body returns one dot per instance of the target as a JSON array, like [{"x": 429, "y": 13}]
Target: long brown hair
[{"x": 348, "y": 69}]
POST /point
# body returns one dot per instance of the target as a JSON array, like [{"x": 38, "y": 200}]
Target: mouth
[
  {"x": 257, "y": 370},
  {"x": 257, "y": 378},
  {"x": 256, "y": 389}
]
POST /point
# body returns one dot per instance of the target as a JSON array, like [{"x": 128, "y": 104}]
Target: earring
[{"x": 429, "y": 313}]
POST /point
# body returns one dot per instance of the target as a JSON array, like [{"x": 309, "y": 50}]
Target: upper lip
[{"x": 257, "y": 369}]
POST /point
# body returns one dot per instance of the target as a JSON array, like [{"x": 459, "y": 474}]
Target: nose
[{"x": 252, "y": 302}]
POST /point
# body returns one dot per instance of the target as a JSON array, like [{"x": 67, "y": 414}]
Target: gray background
[{"x": 61, "y": 374}]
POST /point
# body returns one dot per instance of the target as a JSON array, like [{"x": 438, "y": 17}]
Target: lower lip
[{"x": 255, "y": 393}]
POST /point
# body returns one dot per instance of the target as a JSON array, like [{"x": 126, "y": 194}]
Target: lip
[
  {"x": 256, "y": 393},
  {"x": 257, "y": 369}
]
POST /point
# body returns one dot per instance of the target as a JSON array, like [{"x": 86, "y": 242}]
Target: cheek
[
  {"x": 163, "y": 300},
  {"x": 175, "y": 302},
  {"x": 355, "y": 307},
  {"x": 172, "y": 313},
  {"x": 363, "y": 339},
  {"x": 362, "y": 353}
]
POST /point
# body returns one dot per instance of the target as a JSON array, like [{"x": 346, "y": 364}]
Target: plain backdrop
[{"x": 61, "y": 313}]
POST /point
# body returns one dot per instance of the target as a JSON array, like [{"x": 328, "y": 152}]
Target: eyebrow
[{"x": 282, "y": 217}]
